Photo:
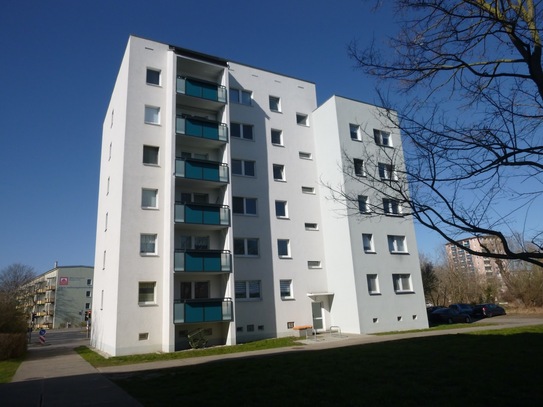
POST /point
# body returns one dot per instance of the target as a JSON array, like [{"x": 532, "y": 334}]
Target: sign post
[{"x": 42, "y": 336}]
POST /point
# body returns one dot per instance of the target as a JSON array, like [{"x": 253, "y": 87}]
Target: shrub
[{"x": 12, "y": 345}]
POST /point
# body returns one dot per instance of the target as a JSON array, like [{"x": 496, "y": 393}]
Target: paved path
[{"x": 56, "y": 375}]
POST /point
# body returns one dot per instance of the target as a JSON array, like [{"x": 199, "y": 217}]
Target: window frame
[
  {"x": 285, "y": 208},
  {"x": 143, "y": 190},
  {"x": 286, "y": 295},
  {"x": 359, "y": 167},
  {"x": 243, "y": 167},
  {"x": 368, "y": 238},
  {"x": 154, "y": 244},
  {"x": 372, "y": 280},
  {"x": 142, "y": 295},
  {"x": 364, "y": 204},
  {"x": 243, "y": 131},
  {"x": 308, "y": 190},
  {"x": 398, "y": 280},
  {"x": 317, "y": 264},
  {"x": 392, "y": 207},
  {"x": 379, "y": 140},
  {"x": 387, "y": 172},
  {"x": 281, "y": 169},
  {"x": 276, "y": 102},
  {"x": 394, "y": 247},
  {"x": 152, "y": 109},
  {"x": 154, "y": 70},
  {"x": 246, "y": 247},
  {"x": 302, "y": 119},
  {"x": 278, "y": 133},
  {"x": 240, "y": 99},
  {"x": 247, "y": 290},
  {"x": 354, "y": 129},
  {"x": 245, "y": 200},
  {"x": 280, "y": 248}
]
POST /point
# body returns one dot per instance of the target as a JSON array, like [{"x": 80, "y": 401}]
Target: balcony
[
  {"x": 201, "y": 170},
  {"x": 203, "y": 310},
  {"x": 203, "y": 261},
  {"x": 50, "y": 288},
  {"x": 203, "y": 129},
  {"x": 205, "y": 91},
  {"x": 50, "y": 299},
  {"x": 202, "y": 214}
]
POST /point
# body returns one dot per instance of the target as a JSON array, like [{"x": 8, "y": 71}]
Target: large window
[
  {"x": 285, "y": 287},
  {"x": 244, "y": 206},
  {"x": 148, "y": 244},
  {"x": 243, "y": 97},
  {"x": 149, "y": 198},
  {"x": 359, "y": 168},
  {"x": 396, "y": 244},
  {"x": 194, "y": 290},
  {"x": 279, "y": 172},
  {"x": 402, "y": 283},
  {"x": 245, "y": 247},
  {"x": 275, "y": 104},
  {"x": 382, "y": 138},
  {"x": 283, "y": 248},
  {"x": 391, "y": 206},
  {"x": 153, "y": 77},
  {"x": 242, "y": 131},
  {"x": 367, "y": 243},
  {"x": 152, "y": 115},
  {"x": 247, "y": 290},
  {"x": 243, "y": 167},
  {"x": 146, "y": 292},
  {"x": 387, "y": 171},
  {"x": 373, "y": 284},
  {"x": 281, "y": 209}
]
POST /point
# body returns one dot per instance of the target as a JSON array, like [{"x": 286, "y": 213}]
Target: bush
[{"x": 12, "y": 345}]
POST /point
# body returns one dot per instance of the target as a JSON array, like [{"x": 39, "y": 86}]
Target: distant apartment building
[
  {"x": 58, "y": 298},
  {"x": 462, "y": 260},
  {"x": 212, "y": 216}
]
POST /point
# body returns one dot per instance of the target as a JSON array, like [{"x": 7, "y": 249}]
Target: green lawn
[
  {"x": 8, "y": 369},
  {"x": 489, "y": 368}
]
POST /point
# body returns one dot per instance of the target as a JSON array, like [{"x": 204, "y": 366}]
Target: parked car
[
  {"x": 488, "y": 310},
  {"x": 432, "y": 308},
  {"x": 465, "y": 308},
  {"x": 449, "y": 316}
]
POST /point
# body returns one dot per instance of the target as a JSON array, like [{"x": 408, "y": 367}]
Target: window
[
  {"x": 143, "y": 336},
  {"x": 382, "y": 138},
  {"x": 396, "y": 244},
  {"x": 275, "y": 104},
  {"x": 285, "y": 287},
  {"x": 281, "y": 209},
  {"x": 153, "y": 77},
  {"x": 283, "y": 248},
  {"x": 241, "y": 131},
  {"x": 152, "y": 115},
  {"x": 354, "y": 129},
  {"x": 242, "y": 167},
  {"x": 314, "y": 264},
  {"x": 194, "y": 290},
  {"x": 308, "y": 190},
  {"x": 391, "y": 206},
  {"x": 279, "y": 172},
  {"x": 387, "y": 171},
  {"x": 311, "y": 226},
  {"x": 367, "y": 242},
  {"x": 373, "y": 284},
  {"x": 150, "y": 155},
  {"x": 244, "y": 206},
  {"x": 89, "y": 281},
  {"x": 245, "y": 247},
  {"x": 301, "y": 119},
  {"x": 110, "y": 149},
  {"x": 149, "y": 198},
  {"x": 107, "y": 219},
  {"x": 243, "y": 97},
  {"x": 248, "y": 290},
  {"x": 363, "y": 204},
  {"x": 146, "y": 292},
  {"x": 305, "y": 156},
  {"x": 402, "y": 283},
  {"x": 148, "y": 244},
  {"x": 277, "y": 137},
  {"x": 87, "y": 305},
  {"x": 88, "y": 294},
  {"x": 359, "y": 169}
]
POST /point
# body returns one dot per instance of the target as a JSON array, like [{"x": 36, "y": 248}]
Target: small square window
[
  {"x": 281, "y": 209},
  {"x": 146, "y": 292},
  {"x": 387, "y": 172},
  {"x": 150, "y": 155},
  {"x": 392, "y": 206},
  {"x": 367, "y": 242},
  {"x": 301, "y": 119},
  {"x": 279, "y": 172},
  {"x": 153, "y": 77},
  {"x": 402, "y": 283},
  {"x": 354, "y": 130},
  {"x": 396, "y": 244},
  {"x": 149, "y": 198},
  {"x": 275, "y": 104},
  {"x": 285, "y": 287},
  {"x": 373, "y": 284},
  {"x": 283, "y": 248},
  {"x": 277, "y": 137},
  {"x": 152, "y": 115},
  {"x": 382, "y": 138},
  {"x": 148, "y": 244}
]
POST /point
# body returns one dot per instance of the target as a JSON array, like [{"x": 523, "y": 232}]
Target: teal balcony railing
[
  {"x": 203, "y": 310},
  {"x": 202, "y": 214},
  {"x": 202, "y": 261},
  {"x": 201, "y": 170},
  {"x": 200, "y": 89},
  {"x": 210, "y": 130}
]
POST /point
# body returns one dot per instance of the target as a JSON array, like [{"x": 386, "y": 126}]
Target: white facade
[{"x": 211, "y": 214}]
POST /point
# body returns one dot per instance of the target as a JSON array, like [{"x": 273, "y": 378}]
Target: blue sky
[{"x": 59, "y": 60}]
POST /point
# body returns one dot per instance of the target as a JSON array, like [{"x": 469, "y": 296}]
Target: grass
[
  {"x": 497, "y": 367},
  {"x": 8, "y": 369}
]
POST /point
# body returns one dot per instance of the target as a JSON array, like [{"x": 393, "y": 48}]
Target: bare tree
[
  {"x": 12, "y": 282},
  {"x": 471, "y": 76}
]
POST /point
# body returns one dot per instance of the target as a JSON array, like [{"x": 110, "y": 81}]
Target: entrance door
[{"x": 316, "y": 308}]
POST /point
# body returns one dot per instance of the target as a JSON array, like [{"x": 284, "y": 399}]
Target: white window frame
[
  {"x": 302, "y": 119},
  {"x": 392, "y": 207},
  {"x": 249, "y": 292},
  {"x": 275, "y": 101},
  {"x": 152, "y": 115},
  {"x": 363, "y": 204},
  {"x": 245, "y": 200},
  {"x": 243, "y": 165},
  {"x": 158, "y": 71},
  {"x": 402, "y": 283},
  {"x": 283, "y": 285},
  {"x": 145, "y": 191},
  {"x": 382, "y": 138},
  {"x": 397, "y": 244},
  {"x": 146, "y": 292},
  {"x": 277, "y": 133},
  {"x": 373, "y": 284},
  {"x": 150, "y": 152},
  {"x": 311, "y": 226},
  {"x": 308, "y": 190},
  {"x": 246, "y": 241},
  {"x": 305, "y": 155},
  {"x": 387, "y": 172},
  {"x": 314, "y": 264},
  {"x": 354, "y": 129},
  {"x": 359, "y": 167},
  {"x": 148, "y": 240},
  {"x": 285, "y": 207},
  {"x": 280, "y": 243},
  {"x": 368, "y": 243},
  {"x": 281, "y": 169},
  {"x": 88, "y": 294}
]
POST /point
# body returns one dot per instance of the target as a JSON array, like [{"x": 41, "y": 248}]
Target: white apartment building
[{"x": 212, "y": 214}]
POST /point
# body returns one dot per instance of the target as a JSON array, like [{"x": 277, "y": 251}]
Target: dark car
[
  {"x": 432, "y": 308},
  {"x": 465, "y": 308},
  {"x": 488, "y": 310},
  {"x": 449, "y": 316}
]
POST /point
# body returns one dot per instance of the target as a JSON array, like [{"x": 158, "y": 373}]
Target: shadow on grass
[{"x": 451, "y": 370}]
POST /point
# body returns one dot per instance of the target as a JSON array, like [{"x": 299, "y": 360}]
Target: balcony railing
[
  {"x": 50, "y": 299},
  {"x": 201, "y": 170},
  {"x": 200, "y": 89},
  {"x": 203, "y": 261},
  {"x": 210, "y": 130},
  {"x": 202, "y": 214},
  {"x": 202, "y": 310}
]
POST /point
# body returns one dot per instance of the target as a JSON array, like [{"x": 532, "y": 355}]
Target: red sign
[{"x": 63, "y": 281}]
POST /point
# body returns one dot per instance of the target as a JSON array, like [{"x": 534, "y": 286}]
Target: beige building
[{"x": 461, "y": 259}]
